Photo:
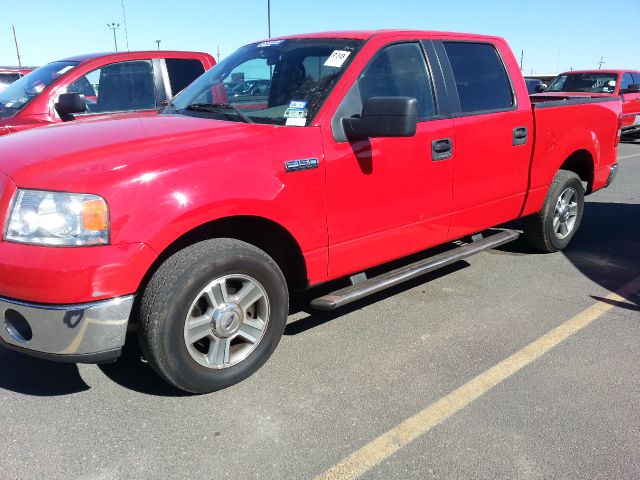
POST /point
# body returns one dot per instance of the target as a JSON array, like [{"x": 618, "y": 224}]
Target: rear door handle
[
  {"x": 519, "y": 136},
  {"x": 441, "y": 149}
]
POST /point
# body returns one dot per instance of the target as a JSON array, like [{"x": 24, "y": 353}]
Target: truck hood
[
  {"x": 19, "y": 122},
  {"x": 57, "y": 156}
]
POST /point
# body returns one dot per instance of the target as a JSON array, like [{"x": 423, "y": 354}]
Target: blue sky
[{"x": 555, "y": 35}]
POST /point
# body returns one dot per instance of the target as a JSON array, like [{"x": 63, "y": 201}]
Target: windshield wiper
[{"x": 216, "y": 107}]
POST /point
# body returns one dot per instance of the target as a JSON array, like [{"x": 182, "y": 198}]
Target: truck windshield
[
  {"x": 584, "y": 82},
  {"x": 22, "y": 91},
  {"x": 282, "y": 82}
]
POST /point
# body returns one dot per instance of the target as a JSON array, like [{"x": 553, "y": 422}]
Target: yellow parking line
[{"x": 393, "y": 440}]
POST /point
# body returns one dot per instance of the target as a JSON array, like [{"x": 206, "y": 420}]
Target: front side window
[
  {"x": 399, "y": 71},
  {"x": 119, "y": 87},
  {"x": 282, "y": 82},
  {"x": 481, "y": 79},
  {"x": 590, "y": 82},
  {"x": 25, "y": 89}
]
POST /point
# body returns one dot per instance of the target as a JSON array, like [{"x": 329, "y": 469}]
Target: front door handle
[
  {"x": 441, "y": 149},
  {"x": 519, "y": 136}
]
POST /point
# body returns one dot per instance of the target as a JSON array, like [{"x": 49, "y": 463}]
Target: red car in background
[
  {"x": 602, "y": 83},
  {"x": 110, "y": 83},
  {"x": 8, "y": 75}
]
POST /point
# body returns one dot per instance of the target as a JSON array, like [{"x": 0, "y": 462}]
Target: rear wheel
[
  {"x": 551, "y": 229},
  {"x": 212, "y": 314}
]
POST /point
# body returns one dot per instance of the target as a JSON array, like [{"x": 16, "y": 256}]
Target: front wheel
[
  {"x": 212, "y": 314},
  {"x": 551, "y": 229}
]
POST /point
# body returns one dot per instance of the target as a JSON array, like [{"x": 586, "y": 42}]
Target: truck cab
[{"x": 109, "y": 83}]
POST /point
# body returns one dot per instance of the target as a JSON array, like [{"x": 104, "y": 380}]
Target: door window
[
  {"x": 182, "y": 71},
  {"x": 481, "y": 79},
  {"x": 399, "y": 71},
  {"x": 627, "y": 79},
  {"x": 119, "y": 87}
]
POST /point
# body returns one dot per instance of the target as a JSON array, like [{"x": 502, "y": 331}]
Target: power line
[
  {"x": 126, "y": 32},
  {"x": 15, "y": 39},
  {"x": 601, "y": 62}
]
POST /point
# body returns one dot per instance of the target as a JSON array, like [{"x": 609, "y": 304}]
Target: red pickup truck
[
  {"x": 601, "y": 83},
  {"x": 197, "y": 223},
  {"x": 110, "y": 83}
]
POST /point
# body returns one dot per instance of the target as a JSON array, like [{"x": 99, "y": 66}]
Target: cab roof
[
  {"x": 368, "y": 34},
  {"x": 126, "y": 55},
  {"x": 606, "y": 70}
]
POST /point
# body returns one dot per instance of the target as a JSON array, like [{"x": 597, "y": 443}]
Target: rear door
[
  {"x": 388, "y": 197},
  {"x": 630, "y": 101},
  {"x": 493, "y": 135}
]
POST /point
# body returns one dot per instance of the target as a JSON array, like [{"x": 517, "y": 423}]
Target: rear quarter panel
[{"x": 563, "y": 130}]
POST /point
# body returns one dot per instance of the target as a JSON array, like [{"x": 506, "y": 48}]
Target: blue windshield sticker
[
  {"x": 270, "y": 43},
  {"x": 297, "y": 104},
  {"x": 296, "y": 109}
]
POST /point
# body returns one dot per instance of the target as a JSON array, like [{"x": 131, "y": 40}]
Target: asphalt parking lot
[{"x": 411, "y": 383}]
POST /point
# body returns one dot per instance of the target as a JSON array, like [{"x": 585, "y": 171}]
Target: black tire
[
  {"x": 539, "y": 231},
  {"x": 169, "y": 297}
]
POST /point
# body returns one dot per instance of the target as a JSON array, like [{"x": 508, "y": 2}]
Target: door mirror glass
[{"x": 384, "y": 117}]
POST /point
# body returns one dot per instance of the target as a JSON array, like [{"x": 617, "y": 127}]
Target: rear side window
[
  {"x": 636, "y": 77},
  {"x": 182, "y": 71},
  {"x": 627, "y": 79},
  {"x": 481, "y": 79}
]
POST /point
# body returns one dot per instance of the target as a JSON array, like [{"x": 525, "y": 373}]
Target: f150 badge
[{"x": 304, "y": 164}]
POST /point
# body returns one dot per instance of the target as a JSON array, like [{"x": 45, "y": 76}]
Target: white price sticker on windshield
[{"x": 337, "y": 58}]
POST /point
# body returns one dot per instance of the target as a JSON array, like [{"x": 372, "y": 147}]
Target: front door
[
  {"x": 630, "y": 100},
  {"x": 387, "y": 197}
]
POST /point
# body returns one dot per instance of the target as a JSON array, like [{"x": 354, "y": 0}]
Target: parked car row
[{"x": 196, "y": 223}]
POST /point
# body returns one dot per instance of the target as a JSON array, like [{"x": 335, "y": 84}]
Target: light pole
[
  {"x": 114, "y": 27},
  {"x": 269, "y": 18},
  {"x": 158, "y": 43}
]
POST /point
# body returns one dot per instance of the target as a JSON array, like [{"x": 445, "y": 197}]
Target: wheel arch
[
  {"x": 581, "y": 162},
  {"x": 261, "y": 232}
]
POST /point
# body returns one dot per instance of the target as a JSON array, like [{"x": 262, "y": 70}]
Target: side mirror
[
  {"x": 384, "y": 117},
  {"x": 540, "y": 88},
  {"x": 633, "y": 88},
  {"x": 70, "y": 103}
]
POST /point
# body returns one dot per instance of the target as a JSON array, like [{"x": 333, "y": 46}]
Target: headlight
[{"x": 59, "y": 219}]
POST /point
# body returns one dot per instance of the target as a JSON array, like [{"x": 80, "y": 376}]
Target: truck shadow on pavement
[
  {"x": 33, "y": 376},
  {"x": 606, "y": 249},
  {"x": 134, "y": 373}
]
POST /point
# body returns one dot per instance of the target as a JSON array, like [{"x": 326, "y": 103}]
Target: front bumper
[{"x": 81, "y": 333}]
